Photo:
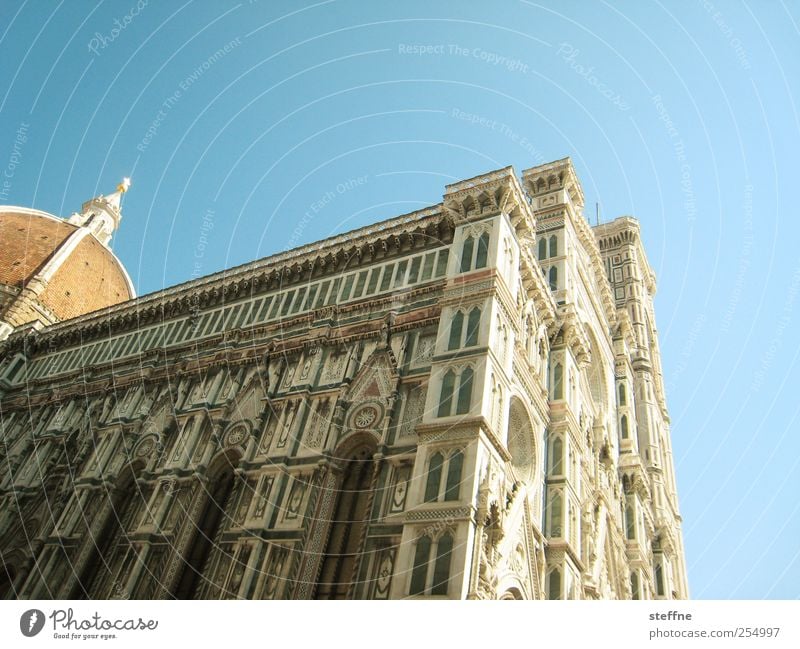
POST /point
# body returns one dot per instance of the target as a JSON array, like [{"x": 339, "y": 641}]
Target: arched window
[
  {"x": 446, "y": 396},
  {"x": 441, "y": 570},
  {"x": 556, "y": 515},
  {"x": 483, "y": 251},
  {"x": 630, "y": 523},
  {"x": 464, "y": 392},
  {"x": 419, "y": 574},
  {"x": 554, "y": 246},
  {"x": 431, "y": 577},
  {"x": 455, "y": 331},
  {"x": 434, "y": 478},
  {"x": 554, "y": 585},
  {"x": 623, "y": 397},
  {"x": 659, "y": 575},
  {"x": 624, "y": 426},
  {"x": 466, "y": 254},
  {"x": 553, "y": 278},
  {"x": 558, "y": 382},
  {"x": 634, "y": 585},
  {"x": 454, "y": 467},
  {"x": 542, "y": 248},
  {"x": 556, "y": 456},
  {"x": 473, "y": 326}
]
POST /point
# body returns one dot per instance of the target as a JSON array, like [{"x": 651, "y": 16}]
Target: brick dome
[{"x": 69, "y": 273}]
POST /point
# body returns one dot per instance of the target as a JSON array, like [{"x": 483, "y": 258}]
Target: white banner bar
[{"x": 153, "y": 624}]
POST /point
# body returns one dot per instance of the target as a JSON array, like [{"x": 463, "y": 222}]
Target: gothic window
[
  {"x": 542, "y": 248},
  {"x": 431, "y": 577},
  {"x": 630, "y": 523},
  {"x": 659, "y": 578},
  {"x": 483, "y": 251},
  {"x": 474, "y": 256},
  {"x": 441, "y": 570},
  {"x": 434, "y": 478},
  {"x": 419, "y": 573},
  {"x": 555, "y": 514},
  {"x": 464, "y": 392},
  {"x": 558, "y": 382},
  {"x": 466, "y": 254},
  {"x": 455, "y": 330},
  {"x": 554, "y": 584},
  {"x": 473, "y": 326},
  {"x": 554, "y": 246},
  {"x": 556, "y": 456},
  {"x": 458, "y": 336},
  {"x": 454, "y": 467},
  {"x": 446, "y": 396},
  {"x": 462, "y": 396},
  {"x": 622, "y": 395},
  {"x": 624, "y": 426},
  {"x": 635, "y": 585},
  {"x": 444, "y": 476},
  {"x": 553, "y": 278}
]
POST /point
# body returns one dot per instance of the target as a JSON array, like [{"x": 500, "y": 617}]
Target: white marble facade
[{"x": 464, "y": 402}]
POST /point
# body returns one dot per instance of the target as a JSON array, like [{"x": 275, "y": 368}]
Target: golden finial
[{"x": 123, "y": 186}]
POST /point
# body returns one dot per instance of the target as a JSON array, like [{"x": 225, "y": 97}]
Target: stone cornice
[{"x": 397, "y": 236}]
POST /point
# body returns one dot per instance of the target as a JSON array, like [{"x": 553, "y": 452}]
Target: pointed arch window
[
  {"x": 542, "y": 248},
  {"x": 419, "y": 573},
  {"x": 474, "y": 253},
  {"x": 556, "y": 514},
  {"x": 473, "y": 327},
  {"x": 635, "y": 585},
  {"x": 556, "y": 456},
  {"x": 465, "y": 392},
  {"x": 554, "y": 246},
  {"x": 554, "y": 584},
  {"x": 482, "y": 255},
  {"x": 441, "y": 571},
  {"x": 432, "y": 577},
  {"x": 455, "y": 331},
  {"x": 624, "y": 426},
  {"x": 553, "y": 278},
  {"x": 466, "y": 254},
  {"x": 446, "y": 395},
  {"x": 558, "y": 382},
  {"x": 623, "y": 397},
  {"x": 630, "y": 523},
  {"x": 659, "y": 578},
  {"x": 462, "y": 396},
  {"x": 444, "y": 476},
  {"x": 455, "y": 465},
  {"x": 434, "y": 478}
]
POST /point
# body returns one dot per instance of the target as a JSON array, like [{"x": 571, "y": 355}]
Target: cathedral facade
[{"x": 464, "y": 402}]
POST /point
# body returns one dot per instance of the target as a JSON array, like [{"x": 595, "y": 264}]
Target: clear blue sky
[{"x": 682, "y": 114}]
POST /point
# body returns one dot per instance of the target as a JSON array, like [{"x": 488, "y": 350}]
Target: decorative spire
[{"x": 102, "y": 214}]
